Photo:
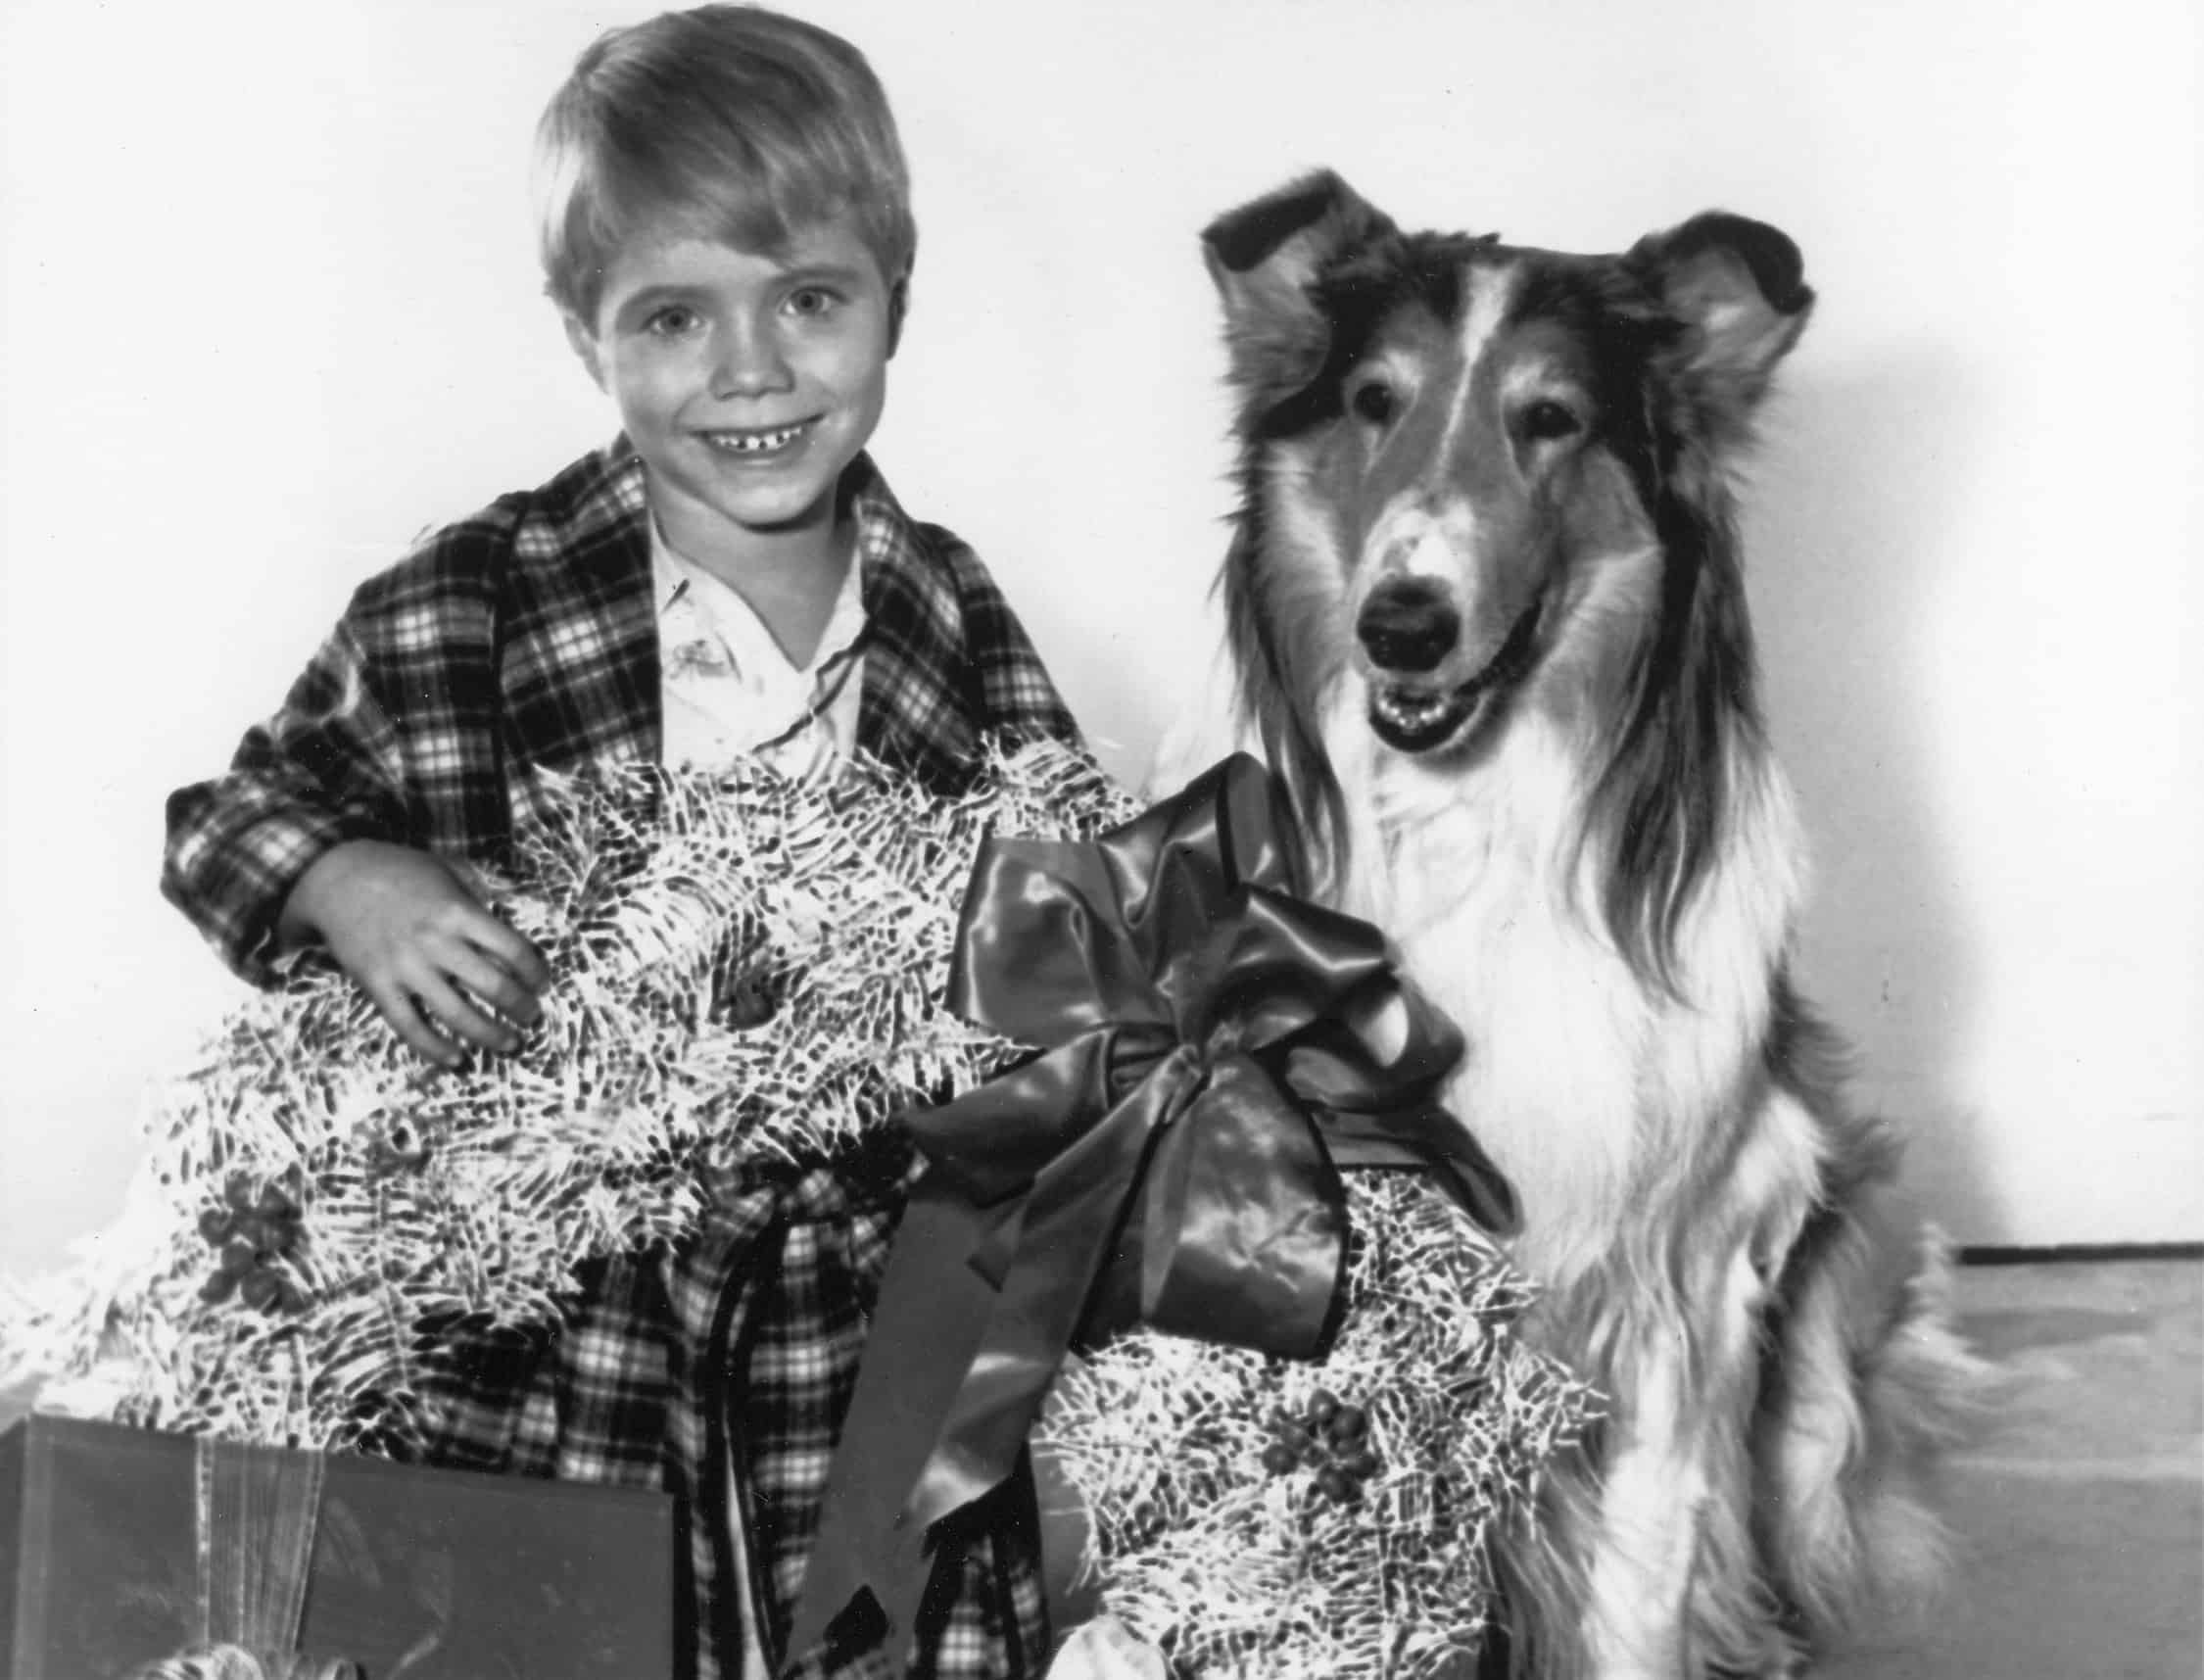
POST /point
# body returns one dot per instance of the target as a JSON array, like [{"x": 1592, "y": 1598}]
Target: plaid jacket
[{"x": 525, "y": 635}]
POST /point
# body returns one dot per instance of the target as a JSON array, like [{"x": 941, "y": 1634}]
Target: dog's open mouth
[
  {"x": 1409, "y": 720},
  {"x": 1412, "y": 716}
]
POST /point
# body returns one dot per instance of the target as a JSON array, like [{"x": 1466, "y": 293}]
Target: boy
[{"x": 726, "y": 232}]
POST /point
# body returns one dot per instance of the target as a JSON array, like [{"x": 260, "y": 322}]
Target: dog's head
[{"x": 1474, "y": 472}]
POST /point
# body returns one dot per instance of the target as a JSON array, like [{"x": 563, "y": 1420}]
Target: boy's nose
[{"x": 749, "y": 363}]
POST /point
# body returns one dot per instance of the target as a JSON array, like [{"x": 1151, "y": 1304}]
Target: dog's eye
[
  {"x": 1374, "y": 401},
  {"x": 1546, "y": 421}
]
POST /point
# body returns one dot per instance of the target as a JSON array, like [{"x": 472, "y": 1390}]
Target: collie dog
[{"x": 1487, "y": 620}]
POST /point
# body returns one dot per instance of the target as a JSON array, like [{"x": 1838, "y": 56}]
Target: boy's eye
[
  {"x": 675, "y": 320},
  {"x": 811, "y": 301}
]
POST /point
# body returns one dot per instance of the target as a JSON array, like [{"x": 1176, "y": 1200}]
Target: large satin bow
[{"x": 1213, "y": 1048}]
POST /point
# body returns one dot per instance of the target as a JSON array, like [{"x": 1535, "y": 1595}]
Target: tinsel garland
[
  {"x": 746, "y": 967},
  {"x": 1206, "y": 1545}
]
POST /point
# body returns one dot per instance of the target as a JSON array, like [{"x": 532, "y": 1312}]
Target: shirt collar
[{"x": 880, "y": 538}]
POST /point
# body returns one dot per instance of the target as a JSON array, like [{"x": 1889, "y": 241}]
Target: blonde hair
[{"x": 732, "y": 122}]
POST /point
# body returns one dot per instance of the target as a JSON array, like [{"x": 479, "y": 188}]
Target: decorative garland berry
[
  {"x": 1329, "y": 1438},
  {"x": 257, "y": 1235}
]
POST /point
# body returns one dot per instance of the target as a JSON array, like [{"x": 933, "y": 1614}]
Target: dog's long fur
[{"x": 1488, "y": 620}]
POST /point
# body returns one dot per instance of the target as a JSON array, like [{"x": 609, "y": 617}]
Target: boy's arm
[
  {"x": 305, "y": 842},
  {"x": 322, "y": 771}
]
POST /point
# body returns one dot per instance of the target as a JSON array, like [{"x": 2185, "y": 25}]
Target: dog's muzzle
[{"x": 1410, "y": 628}]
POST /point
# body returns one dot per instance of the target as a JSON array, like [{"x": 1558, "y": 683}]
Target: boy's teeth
[{"x": 754, "y": 443}]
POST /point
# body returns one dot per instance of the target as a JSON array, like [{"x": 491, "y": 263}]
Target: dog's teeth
[{"x": 1417, "y": 717}]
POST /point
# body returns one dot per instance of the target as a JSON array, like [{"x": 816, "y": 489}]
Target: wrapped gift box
[{"x": 415, "y": 1574}]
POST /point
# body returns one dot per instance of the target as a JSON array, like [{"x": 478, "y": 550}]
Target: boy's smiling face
[{"x": 746, "y": 382}]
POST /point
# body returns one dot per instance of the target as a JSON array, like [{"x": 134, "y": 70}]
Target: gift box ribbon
[
  {"x": 256, "y": 1509},
  {"x": 1213, "y": 1049}
]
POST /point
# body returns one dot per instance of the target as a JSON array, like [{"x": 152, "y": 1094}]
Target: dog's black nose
[{"x": 1408, "y": 624}]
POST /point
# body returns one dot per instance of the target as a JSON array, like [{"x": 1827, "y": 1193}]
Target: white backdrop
[{"x": 269, "y": 309}]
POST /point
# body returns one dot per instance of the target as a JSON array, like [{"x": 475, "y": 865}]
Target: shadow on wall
[{"x": 1849, "y": 515}]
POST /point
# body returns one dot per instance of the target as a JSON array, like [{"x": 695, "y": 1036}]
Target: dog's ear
[
  {"x": 1738, "y": 288},
  {"x": 1265, "y": 258}
]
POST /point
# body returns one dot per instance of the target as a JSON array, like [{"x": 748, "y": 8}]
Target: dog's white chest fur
[{"x": 1579, "y": 1077}]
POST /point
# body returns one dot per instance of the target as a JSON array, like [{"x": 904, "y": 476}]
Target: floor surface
[{"x": 2081, "y": 1513}]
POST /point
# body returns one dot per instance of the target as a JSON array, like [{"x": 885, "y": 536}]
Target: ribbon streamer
[
  {"x": 1213, "y": 1049},
  {"x": 256, "y": 1512}
]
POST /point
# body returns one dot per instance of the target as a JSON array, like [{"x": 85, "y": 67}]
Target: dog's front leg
[
  {"x": 1675, "y": 1586},
  {"x": 1648, "y": 1537}
]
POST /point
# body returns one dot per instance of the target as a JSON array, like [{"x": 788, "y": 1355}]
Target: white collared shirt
[{"x": 726, "y": 689}]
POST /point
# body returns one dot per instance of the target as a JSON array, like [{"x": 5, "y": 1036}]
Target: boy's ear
[
  {"x": 584, "y": 343},
  {"x": 899, "y": 305},
  {"x": 1264, "y": 259}
]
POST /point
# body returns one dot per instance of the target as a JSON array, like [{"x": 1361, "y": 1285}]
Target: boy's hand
[{"x": 410, "y": 935}]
